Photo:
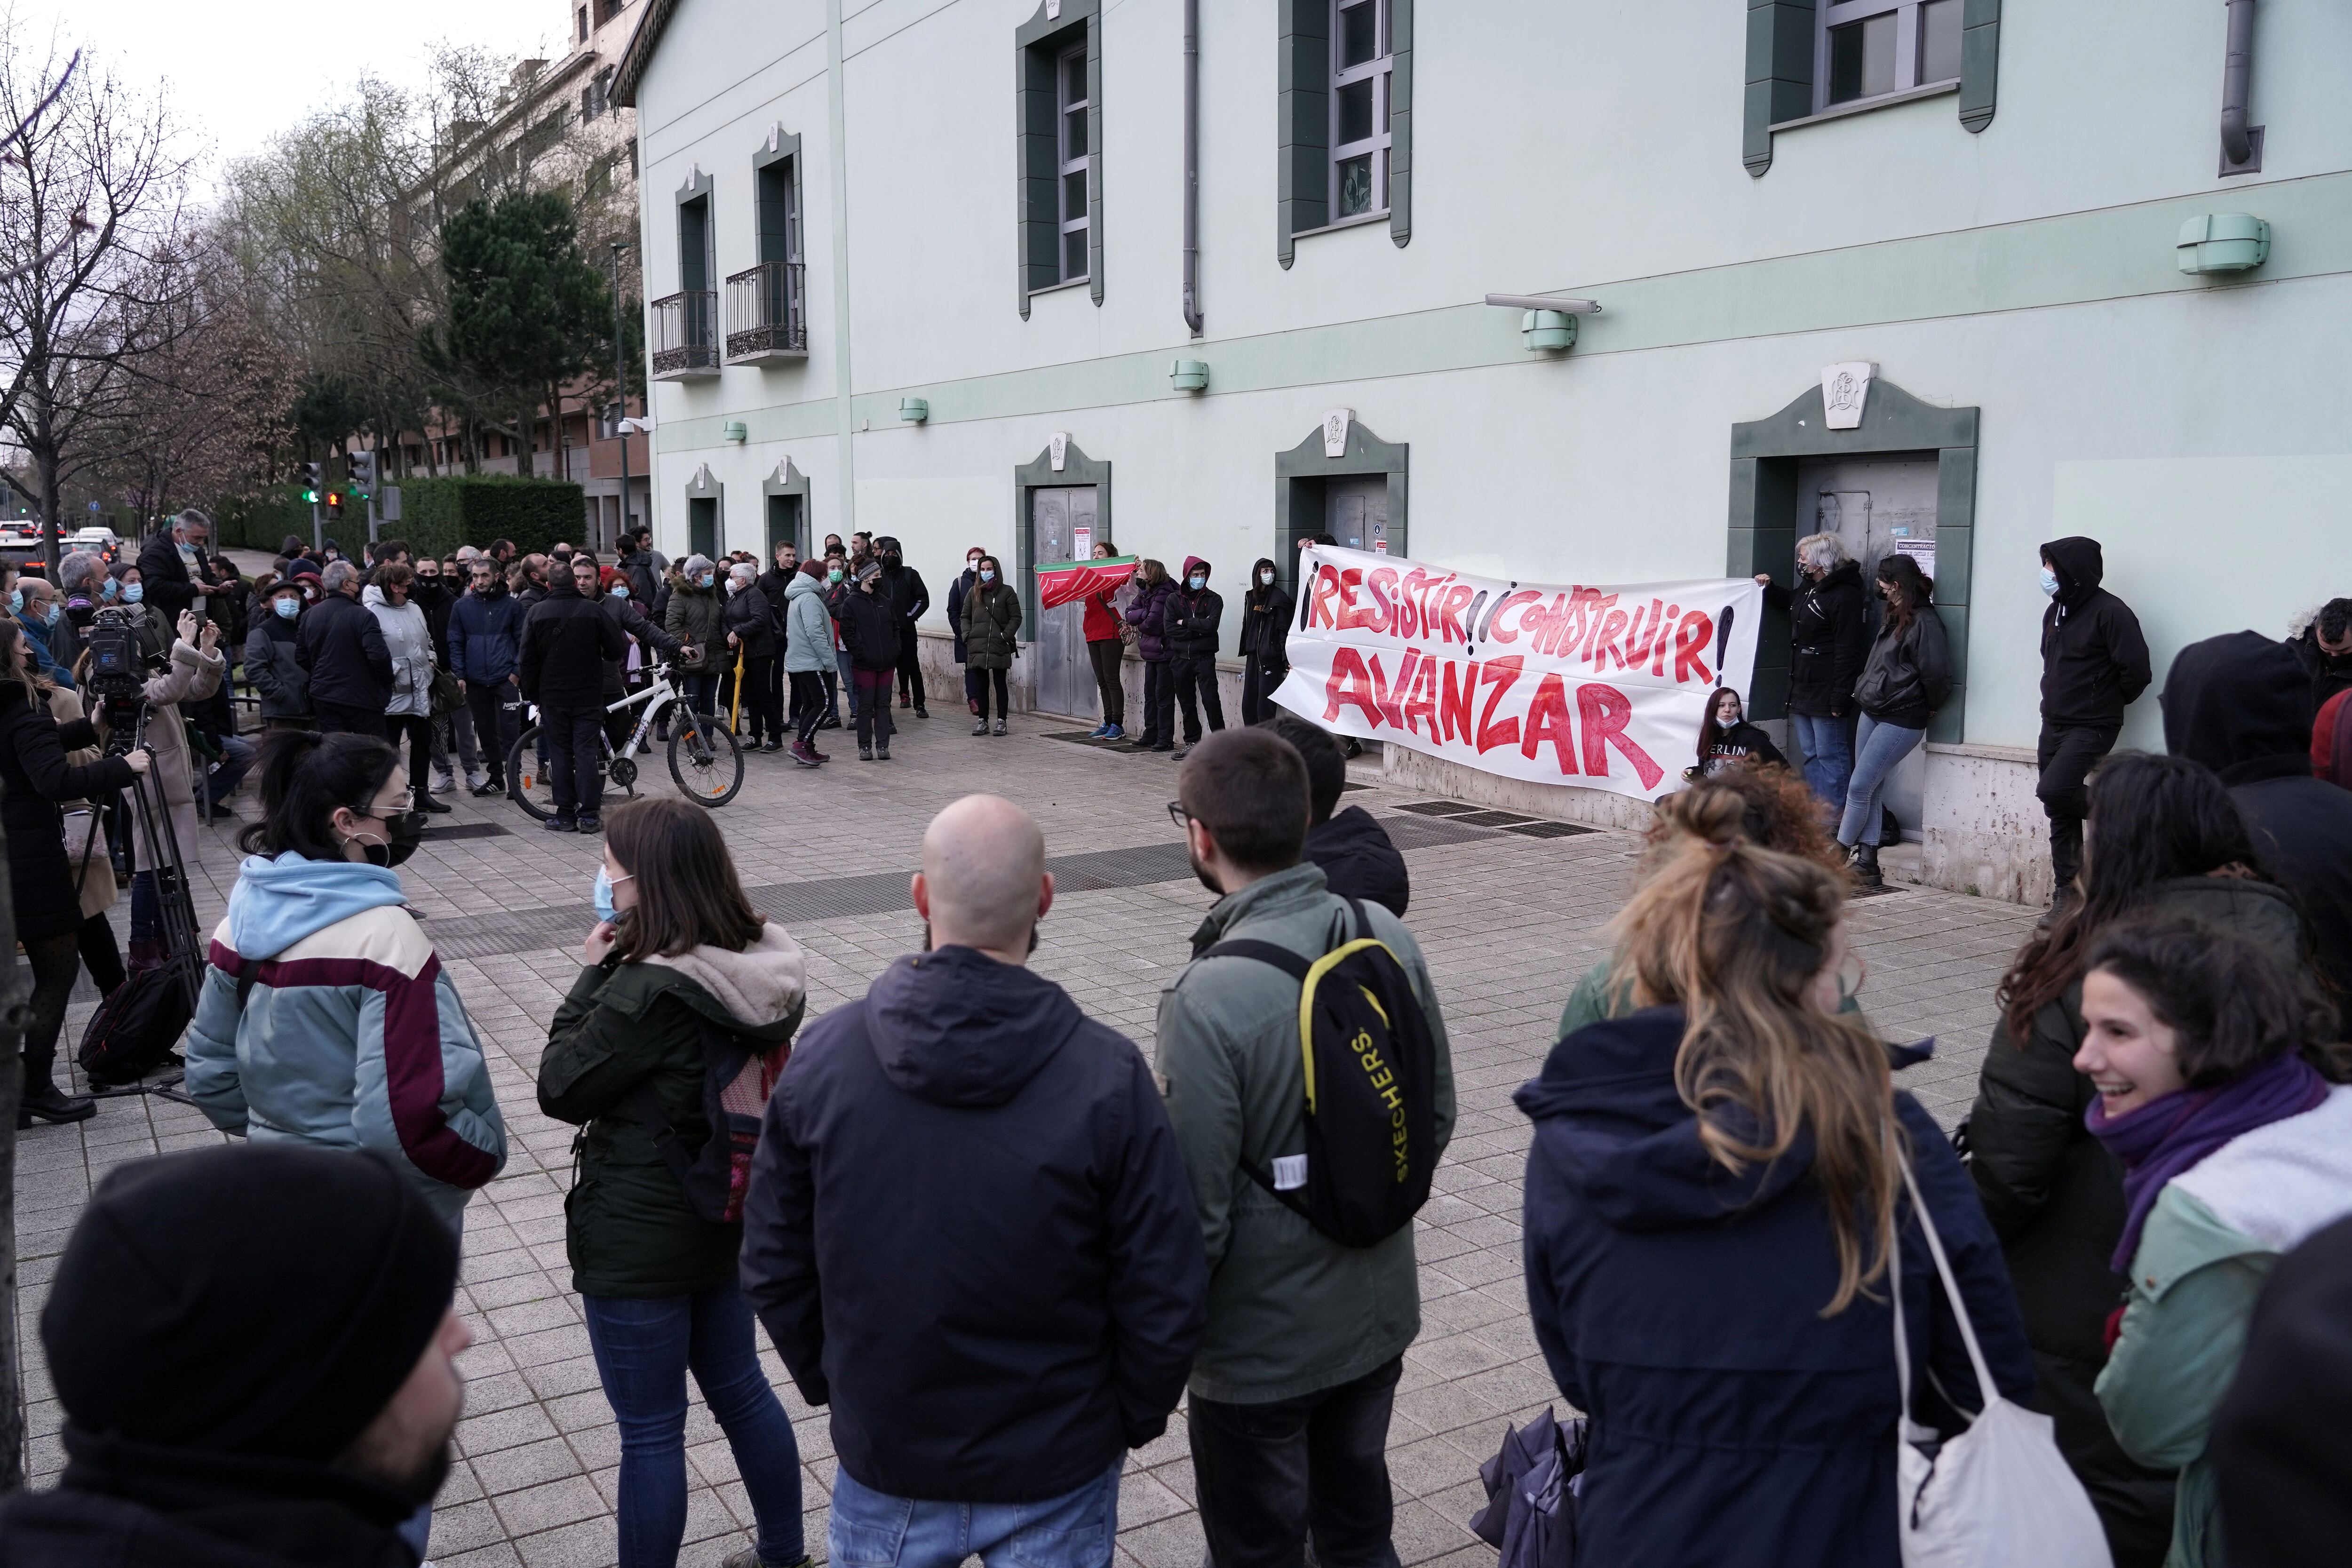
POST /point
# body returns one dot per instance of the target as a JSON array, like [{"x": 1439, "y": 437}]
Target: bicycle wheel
[
  {"x": 704, "y": 758},
  {"x": 527, "y": 781}
]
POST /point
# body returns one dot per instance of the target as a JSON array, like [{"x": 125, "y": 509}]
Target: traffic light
[
  {"x": 313, "y": 482},
  {"x": 334, "y": 506},
  {"x": 364, "y": 475}
]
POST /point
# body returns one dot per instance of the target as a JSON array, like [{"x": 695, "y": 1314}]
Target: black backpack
[
  {"x": 1370, "y": 1061},
  {"x": 737, "y": 1074},
  {"x": 134, "y": 1030}
]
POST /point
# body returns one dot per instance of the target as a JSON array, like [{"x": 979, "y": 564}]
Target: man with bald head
[{"x": 968, "y": 1231}]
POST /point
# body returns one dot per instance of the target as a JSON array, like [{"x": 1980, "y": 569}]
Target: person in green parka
[{"x": 678, "y": 952}]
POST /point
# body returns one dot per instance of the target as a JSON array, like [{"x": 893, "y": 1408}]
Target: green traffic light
[{"x": 310, "y": 496}]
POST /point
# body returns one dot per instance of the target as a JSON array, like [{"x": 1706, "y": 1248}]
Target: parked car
[{"x": 104, "y": 541}]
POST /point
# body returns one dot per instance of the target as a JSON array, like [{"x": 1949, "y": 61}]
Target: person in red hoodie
[
  {"x": 1106, "y": 648},
  {"x": 2331, "y": 741}
]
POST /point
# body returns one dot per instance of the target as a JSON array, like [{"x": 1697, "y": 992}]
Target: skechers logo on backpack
[{"x": 1370, "y": 1062}]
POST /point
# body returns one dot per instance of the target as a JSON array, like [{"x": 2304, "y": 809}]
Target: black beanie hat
[{"x": 264, "y": 1299}]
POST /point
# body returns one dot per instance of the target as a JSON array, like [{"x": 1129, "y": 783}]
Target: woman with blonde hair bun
[{"x": 1715, "y": 1186}]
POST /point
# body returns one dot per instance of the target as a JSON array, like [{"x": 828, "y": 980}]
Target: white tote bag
[{"x": 1999, "y": 1495}]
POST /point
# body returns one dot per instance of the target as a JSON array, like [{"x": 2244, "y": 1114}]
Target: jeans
[
  {"x": 644, "y": 1349},
  {"x": 848, "y": 679},
  {"x": 574, "y": 749},
  {"x": 1158, "y": 704},
  {"x": 1829, "y": 755},
  {"x": 454, "y": 731},
  {"x": 1876, "y": 749},
  {"x": 497, "y": 709},
  {"x": 2067, "y": 754},
  {"x": 1270, "y": 1475},
  {"x": 875, "y": 1530},
  {"x": 1259, "y": 682},
  {"x": 237, "y": 759},
  {"x": 1197, "y": 672},
  {"x": 871, "y": 696},
  {"x": 982, "y": 680},
  {"x": 1109, "y": 684},
  {"x": 702, "y": 693}
]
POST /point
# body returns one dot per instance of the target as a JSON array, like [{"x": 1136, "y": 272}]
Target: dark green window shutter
[
  {"x": 1303, "y": 180},
  {"x": 1780, "y": 73},
  {"x": 1400, "y": 121},
  {"x": 1037, "y": 164},
  {"x": 1980, "y": 61}
]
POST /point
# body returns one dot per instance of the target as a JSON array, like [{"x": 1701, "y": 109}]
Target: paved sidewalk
[{"x": 1509, "y": 922}]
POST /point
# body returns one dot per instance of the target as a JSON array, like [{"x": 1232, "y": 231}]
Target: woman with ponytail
[
  {"x": 1716, "y": 1180},
  {"x": 326, "y": 1016}
]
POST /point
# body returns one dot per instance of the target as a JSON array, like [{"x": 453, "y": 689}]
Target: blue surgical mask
[
  {"x": 1198, "y": 582},
  {"x": 287, "y": 607},
  {"x": 2049, "y": 583},
  {"x": 986, "y": 575},
  {"x": 602, "y": 896},
  {"x": 134, "y": 592},
  {"x": 56, "y": 612},
  {"x": 106, "y": 589},
  {"x": 706, "y": 579},
  {"x": 619, "y": 590},
  {"x": 16, "y": 601}
]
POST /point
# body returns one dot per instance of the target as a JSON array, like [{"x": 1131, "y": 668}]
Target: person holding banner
[
  {"x": 1905, "y": 678},
  {"x": 1265, "y": 626},
  {"x": 1107, "y": 647}
]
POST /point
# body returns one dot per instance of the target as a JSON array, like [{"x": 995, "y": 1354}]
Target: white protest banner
[{"x": 1599, "y": 685}]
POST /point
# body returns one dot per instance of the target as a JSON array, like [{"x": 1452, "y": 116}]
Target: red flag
[{"x": 1067, "y": 581}]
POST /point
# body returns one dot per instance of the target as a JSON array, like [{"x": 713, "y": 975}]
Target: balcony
[
  {"x": 766, "y": 324},
  {"x": 686, "y": 336}
]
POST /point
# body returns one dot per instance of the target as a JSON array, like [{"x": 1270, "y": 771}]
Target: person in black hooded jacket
[
  {"x": 1358, "y": 858},
  {"x": 995, "y": 1324},
  {"x": 903, "y": 586},
  {"x": 1829, "y": 640},
  {"x": 2094, "y": 665},
  {"x": 2240, "y": 704},
  {"x": 2324, "y": 646}
]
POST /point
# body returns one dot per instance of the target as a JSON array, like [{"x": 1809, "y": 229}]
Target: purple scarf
[{"x": 2166, "y": 1136}]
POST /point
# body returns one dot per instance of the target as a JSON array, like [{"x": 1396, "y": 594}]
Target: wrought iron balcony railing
[
  {"x": 686, "y": 335},
  {"x": 766, "y": 318}
]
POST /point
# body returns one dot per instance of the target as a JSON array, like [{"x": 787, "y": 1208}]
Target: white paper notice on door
[
  {"x": 1922, "y": 552},
  {"x": 1082, "y": 543}
]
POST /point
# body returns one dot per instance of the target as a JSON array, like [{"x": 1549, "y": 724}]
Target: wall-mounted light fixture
[
  {"x": 1547, "y": 323},
  {"x": 735, "y": 430},
  {"x": 1189, "y": 375},
  {"x": 914, "y": 410},
  {"x": 2222, "y": 242}
]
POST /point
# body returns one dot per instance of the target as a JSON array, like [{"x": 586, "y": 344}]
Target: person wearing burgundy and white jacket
[{"x": 326, "y": 1016}]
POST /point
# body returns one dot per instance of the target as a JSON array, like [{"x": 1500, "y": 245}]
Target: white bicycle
[{"x": 704, "y": 757}]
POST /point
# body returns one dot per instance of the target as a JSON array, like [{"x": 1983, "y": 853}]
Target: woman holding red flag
[{"x": 1106, "y": 646}]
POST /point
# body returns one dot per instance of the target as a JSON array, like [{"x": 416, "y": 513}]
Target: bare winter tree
[{"x": 94, "y": 254}]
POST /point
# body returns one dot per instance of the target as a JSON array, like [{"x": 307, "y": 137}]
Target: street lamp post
[{"x": 620, "y": 384}]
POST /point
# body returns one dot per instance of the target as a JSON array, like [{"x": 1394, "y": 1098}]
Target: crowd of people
[{"x": 2144, "y": 1232}]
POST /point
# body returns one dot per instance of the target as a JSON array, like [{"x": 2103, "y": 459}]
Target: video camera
[{"x": 119, "y": 656}]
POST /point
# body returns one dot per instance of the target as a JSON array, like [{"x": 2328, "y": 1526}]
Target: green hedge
[{"x": 436, "y": 515}]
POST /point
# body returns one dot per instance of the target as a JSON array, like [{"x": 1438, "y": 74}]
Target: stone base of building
[{"x": 1986, "y": 834}]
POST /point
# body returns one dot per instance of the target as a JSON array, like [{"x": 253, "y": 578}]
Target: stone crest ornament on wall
[
  {"x": 1844, "y": 388},
  {"x": 1057, "y": 448},
  {"x": 1335, "y": 431}
]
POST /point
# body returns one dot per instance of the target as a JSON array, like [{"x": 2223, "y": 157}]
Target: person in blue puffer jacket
[{"x": 326, "y": 1016}]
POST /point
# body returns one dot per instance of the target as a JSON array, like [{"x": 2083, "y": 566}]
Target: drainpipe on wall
[
  {"x": 1193, "y": 165},
  {"x": 2237, "y": 143}
]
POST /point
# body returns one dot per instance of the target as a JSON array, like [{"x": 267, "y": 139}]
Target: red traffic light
[{"x": 334, "y": 504}]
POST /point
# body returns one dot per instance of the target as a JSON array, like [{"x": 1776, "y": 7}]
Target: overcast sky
[{"x": 240, "y": 70}]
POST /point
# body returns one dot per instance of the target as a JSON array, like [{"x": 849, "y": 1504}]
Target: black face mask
[{"x": 403, "y": 833}]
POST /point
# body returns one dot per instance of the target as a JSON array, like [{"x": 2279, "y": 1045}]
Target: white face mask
[{"x": 1266, "y": 578}]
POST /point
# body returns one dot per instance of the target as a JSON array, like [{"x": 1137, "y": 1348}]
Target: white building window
[
  {"x": 1871, "y": 48},
  {"x": 1361, "y": 60},
  {"x": 1076, "y": 163}
]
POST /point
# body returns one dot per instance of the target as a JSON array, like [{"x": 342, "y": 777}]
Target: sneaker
[
  {"x": 1113, "y": 733},
  {"x": 921, "y": 711},
  {"x": 882, "y": 751},
  {"x": 1181, "y": 753},
  {"x": 904, "y": 701},
  {"x": 491, "y": 786},
  {"x": 476, "y": 780},
  {"x": 980, "y": 726},
  {"x": 445, "y": 782},
  {"x": 1163, "y": 746},
  {"x": 1000, "y": 728},
  {"x": 772, "y": 744},
  {"x": 1096, "y": 732},
  {"x": 591, "y": 825},
  {"x": 864, "y": 754},
  {"x": 830, "y": 721},
  {"x": 804, "y": 755},
  {"x": 750, "y": 1558},
  {"x": 559, "y": 825}
]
